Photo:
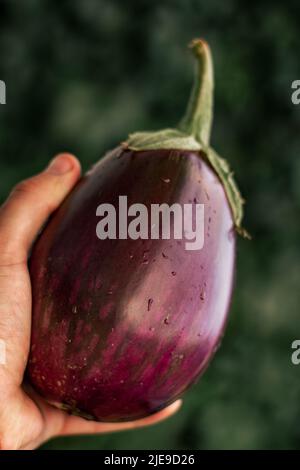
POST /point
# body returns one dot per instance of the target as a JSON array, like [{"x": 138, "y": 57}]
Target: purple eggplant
[{"x": 122, "y": 327}]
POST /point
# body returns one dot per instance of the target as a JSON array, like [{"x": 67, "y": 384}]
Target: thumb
[{"x": 30, "y": 204}]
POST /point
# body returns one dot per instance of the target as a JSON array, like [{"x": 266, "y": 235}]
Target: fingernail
[
  {"x": 60, "y": 165},
  {"x": 178, "y": 403}
]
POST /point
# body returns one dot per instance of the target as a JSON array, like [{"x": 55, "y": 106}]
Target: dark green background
[{"x": 82, "y": 74}]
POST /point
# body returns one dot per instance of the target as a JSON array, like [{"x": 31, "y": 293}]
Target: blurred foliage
[{"x": 80, "y": 75}]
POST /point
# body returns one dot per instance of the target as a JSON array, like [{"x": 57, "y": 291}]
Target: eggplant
[{"x": 122, "y": 327}]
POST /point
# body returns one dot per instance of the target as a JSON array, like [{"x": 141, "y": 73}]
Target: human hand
[{"x": 26, "y": 420}]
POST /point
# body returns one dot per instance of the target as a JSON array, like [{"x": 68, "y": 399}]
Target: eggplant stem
[{"x": 197, "y": 120}]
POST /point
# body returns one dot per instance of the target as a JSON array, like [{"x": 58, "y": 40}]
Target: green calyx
[{"x": 193, "y": 131}]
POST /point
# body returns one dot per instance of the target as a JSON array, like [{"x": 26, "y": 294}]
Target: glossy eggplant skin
[{"x": 121, "y": 328}]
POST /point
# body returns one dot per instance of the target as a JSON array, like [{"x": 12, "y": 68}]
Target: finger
[
  {"x": 75, "y": 425},
  {"x": 31, "y": 203},
  {"x": 59, "y": 423}
]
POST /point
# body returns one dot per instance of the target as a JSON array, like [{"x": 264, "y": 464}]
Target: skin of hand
[{"x": 26, "y": 420}]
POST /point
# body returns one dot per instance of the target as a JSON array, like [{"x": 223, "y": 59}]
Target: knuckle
[
  {"x": 38, "y": 192},
  {"x": 27, "y": 186}
]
